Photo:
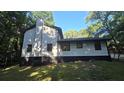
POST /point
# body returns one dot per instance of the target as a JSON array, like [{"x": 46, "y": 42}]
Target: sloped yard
[{"x": 97, "y": 70}]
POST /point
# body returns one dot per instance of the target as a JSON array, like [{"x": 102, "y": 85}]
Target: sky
[{"x": 70, "y": 20}]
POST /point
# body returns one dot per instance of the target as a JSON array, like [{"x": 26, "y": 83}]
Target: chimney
[
  {"x": 39, "y": 22},
  {"x": 38, "y": 35},
  {"x": 39, "y": 25}
]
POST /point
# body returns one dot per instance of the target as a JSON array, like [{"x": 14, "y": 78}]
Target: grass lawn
[{"x": 96, "y": 70}]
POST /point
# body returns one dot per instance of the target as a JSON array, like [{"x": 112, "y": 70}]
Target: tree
[
  {"x": 45, "y": 15},
  {"x": 12, "y": 28},
  {"x": 83, "y": 33},
  {"x": 71, "y": 34},
  {"x": 112, "y": 22}
]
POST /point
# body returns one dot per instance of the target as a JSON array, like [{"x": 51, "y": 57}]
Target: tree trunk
[
  {"x": 20, "y": 42},
  {"x": 116, "y": 44},
  {"x": 114, "y": 53},
  {"x": 2, "y": 38}
]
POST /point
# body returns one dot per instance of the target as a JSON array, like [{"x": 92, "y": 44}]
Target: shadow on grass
[
  {"x": 28, "y": 73},
  {"x": 78, "y": 71}
]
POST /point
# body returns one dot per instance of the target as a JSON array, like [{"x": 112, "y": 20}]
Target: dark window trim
[
  {"x": 79, "y": 45},
  {"x": 97, "y": 45},
  {"x": 49, "y": 47},
  {"x": 29, "y": 48},
  {"x": 65, "y": 46}
]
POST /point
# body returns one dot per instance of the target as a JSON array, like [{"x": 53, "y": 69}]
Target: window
[
  {"x": 44, "y": 28},
  {"x": 65, "y": 47},
  {"x": 49, "y": 47},
  {"x": 79, "y": 45},
  {"x": 97, "y": 45},
  {"x": 29, "y": 49}
]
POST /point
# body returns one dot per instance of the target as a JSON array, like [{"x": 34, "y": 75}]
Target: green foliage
[
  {"x": 71, "y": 34},
  {"x": 113, "y": 22},
  {"x": 12, "y": 28},
  {"x": 83, "y": 33},
  {"x": 110, "y": 20},
  {"x": 92, "y": 28},
  {"x": 12, "y": 25},
  {"x": 45, "y": 15}
]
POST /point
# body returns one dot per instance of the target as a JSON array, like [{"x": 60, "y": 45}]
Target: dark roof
[
  {"x": 55, "y": 27},
  {"x": 31, "y": 27},
  {"x": 58, "y": 29},
  {"x": 82, "y": 39}
]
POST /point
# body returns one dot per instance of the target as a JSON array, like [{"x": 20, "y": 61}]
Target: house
[{"x": 43, "y": 43}]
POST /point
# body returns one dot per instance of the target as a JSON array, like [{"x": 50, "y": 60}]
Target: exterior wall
[
  {"x": 49, "y": 35},
  {"x": 29, "y": 38},
  {"x": 39, "y": 39},
  {"x": 42, "y": 35},
  {"x": 87, "y": 50},
  {"x": 36, "y": 49}
]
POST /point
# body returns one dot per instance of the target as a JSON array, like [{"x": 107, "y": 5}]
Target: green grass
[{"x": 76, "y": 71}]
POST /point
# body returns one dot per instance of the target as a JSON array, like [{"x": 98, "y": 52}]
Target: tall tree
[
  {"x": 112, "y": 22},
  {"x": 45, "y": 15},
  {"x": 12, "y": 26},
  {"x": 93, "y": 28},
  {"x": 71, "y": 34},
  {"x": 83, "y": 33}
]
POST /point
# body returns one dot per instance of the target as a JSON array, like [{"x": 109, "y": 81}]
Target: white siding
[
  {"x": 36, "y": 50},
  {"x": 39, "y": 39},
  {"x": 50, "y": 35},
  {"x": 87, "y": 50},
  {"x": 28, "y": 39}
]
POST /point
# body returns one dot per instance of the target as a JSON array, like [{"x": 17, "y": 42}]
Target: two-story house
[{"x": 43, "y": 43}]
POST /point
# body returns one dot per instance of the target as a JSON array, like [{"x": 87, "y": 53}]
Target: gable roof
[
  {"x": 82, "y": 39},
  {"x": 55, "y": 27},
  {"x": 31, "y": 27},
  {"x": 58, "y": 29}
]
